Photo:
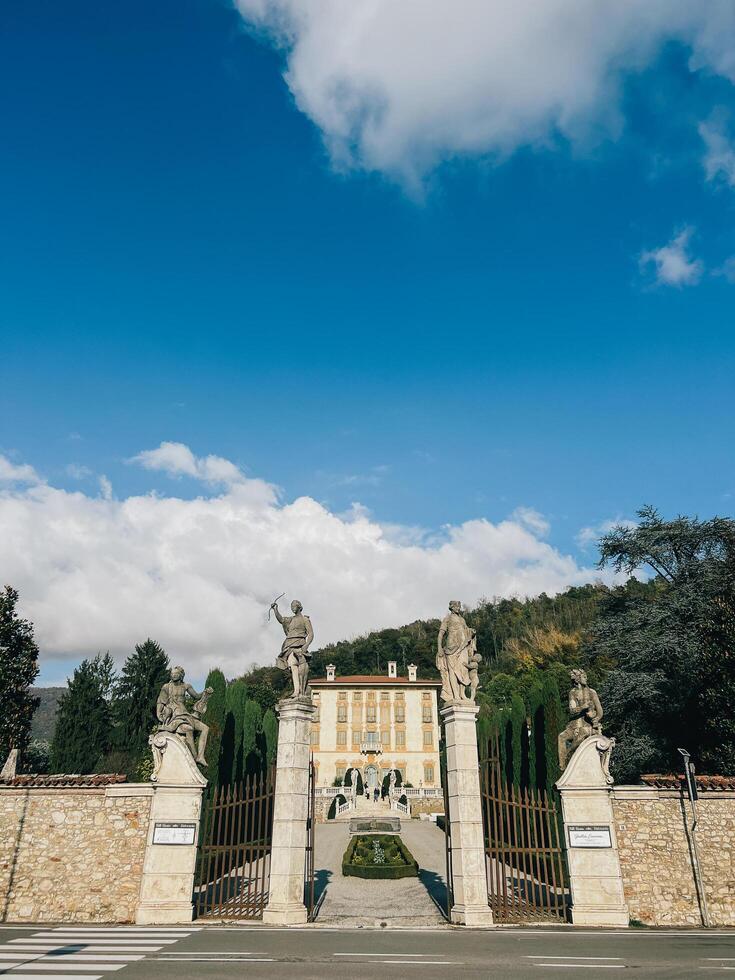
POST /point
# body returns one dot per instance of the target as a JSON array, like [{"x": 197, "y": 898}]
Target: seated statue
[
  {"x": 586, "y": 714},
  {"x": 174, "y": 715}
]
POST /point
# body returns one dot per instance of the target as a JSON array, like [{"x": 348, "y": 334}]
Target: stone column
[
  {"x": 592, "y": 849},
  {"x": 469, "y": 874},
  {"x": 290, "y": 812},
  {"x": 167, "y": 885}
]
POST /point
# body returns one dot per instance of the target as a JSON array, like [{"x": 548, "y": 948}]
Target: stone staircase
[{"x": 365, "y": 808}]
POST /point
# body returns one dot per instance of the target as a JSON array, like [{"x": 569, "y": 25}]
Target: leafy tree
[
  {"x": 18, "y": 670},
  {"x": 143, "y": 674},
  {"x": 84, "y": 722},
  {"x": 215, "y": 719},
  {"x": 669, "y": 642},
  {"x": 270, "y": 731}
]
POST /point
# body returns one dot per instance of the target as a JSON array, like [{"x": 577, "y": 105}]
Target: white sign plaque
[
  {"x": 174, "y": 833},
  {"x": 589, "y": 835}
]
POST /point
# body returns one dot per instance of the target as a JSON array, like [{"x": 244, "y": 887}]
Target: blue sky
[{"x": 185, "y": 258}]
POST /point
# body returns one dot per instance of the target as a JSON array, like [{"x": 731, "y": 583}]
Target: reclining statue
[
  {"x": 174, "y": 715},
  {"x": 586, "y": 714}
]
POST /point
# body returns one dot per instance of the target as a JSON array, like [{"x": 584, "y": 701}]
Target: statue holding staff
[{"x": 294, "y": 655}]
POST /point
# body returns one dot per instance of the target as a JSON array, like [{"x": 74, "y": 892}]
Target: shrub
[
  {"x": 359, "y": 858},
  {"x": 337, "y": 801}
]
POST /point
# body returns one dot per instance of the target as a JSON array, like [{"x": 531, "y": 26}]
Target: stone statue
[
  {"x": 174, "y": 715},
  {"x": 457, "y": 660},
  {"x": 353, "y": 784},
  {"x": 392, "y": 784},
  {"x": 586, "y": 714},
  {"x": 294, "y": 655}
]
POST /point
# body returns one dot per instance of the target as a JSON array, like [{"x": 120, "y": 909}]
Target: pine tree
[
  {"x": 84, "y": 720},
  {"x": 215, "y": 719},
  {"x": 270, "y": 732},
  {"x": 18, "y": 670},
  {"x": 252, "y": 737},
  {"x": 136, "y": 692}
]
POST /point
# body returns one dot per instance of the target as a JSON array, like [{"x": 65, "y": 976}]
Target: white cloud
[
  {"x": 12, "y": 473},
  {"x": 175, "y": 459},
  {"x": 399, "y": 87},
  {"x": 96, "y": 572},
  {"x": 727, "y": 269},
  {"x": 77, "y": 472},
  {"x": 672, "y": 263},
  {"x": 531, "y": 519},
  {"x": 719, "y": 158}
]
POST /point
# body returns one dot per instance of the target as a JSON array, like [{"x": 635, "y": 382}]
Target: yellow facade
[{"x": 376, "y": 724}]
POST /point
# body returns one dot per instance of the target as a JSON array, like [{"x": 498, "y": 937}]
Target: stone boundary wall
[
  {"x": 72, "y": 851},
  {"x": 652, "y": 829}
]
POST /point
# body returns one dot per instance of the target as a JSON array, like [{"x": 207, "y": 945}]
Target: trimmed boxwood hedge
[
  {"x": 338, "y": 800},
  {"x": 409, "y": 869}
]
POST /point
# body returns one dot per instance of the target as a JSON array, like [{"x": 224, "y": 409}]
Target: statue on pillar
[
  {"x": 174, "y": 715},
  {"x": 392, "y": 784},
  {"x": 457, "y": 659},
  {"x": 586, "y": 715},
  {"x": 294, "y": 655}
]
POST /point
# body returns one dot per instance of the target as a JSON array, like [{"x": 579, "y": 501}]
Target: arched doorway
[{"x": 371, "y": 777}]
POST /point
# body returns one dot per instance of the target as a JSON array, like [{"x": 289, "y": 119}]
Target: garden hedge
[{"x": 382, "y": 871}]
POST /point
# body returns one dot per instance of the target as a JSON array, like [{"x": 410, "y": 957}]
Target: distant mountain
[{"x": 44, "y": 719}]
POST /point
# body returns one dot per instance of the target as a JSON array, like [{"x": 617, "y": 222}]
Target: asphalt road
[{"x": 203, "y": 952}]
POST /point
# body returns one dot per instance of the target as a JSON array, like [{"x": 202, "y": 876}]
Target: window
[
  {"x": 355, "y": 737},
  {"x": 341, "y": 738},
  {"x": 342, "y": 696},
  {"x": 371, "y": 738},
  {"x": 428, "y": 774},
  {"x": 384, "y": 696},
  {"x": 315, "y": 736},
  {"x": 357, "y": 696},
  {"x": 400, "y": 740},
  {"x": 385, "y": 738},
  {"x": 426, "y": 697},
  {"x": 426, "y": 713},
  {"x": 400, "y": 712},
  {"x": 428, "y": 738},
  {"x": 341, "y": 712},
  {"x": 371, "y": 712}
]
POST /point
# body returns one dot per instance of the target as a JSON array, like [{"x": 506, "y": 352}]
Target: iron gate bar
[
  {"x": 523, "y": 847},
  {"x": 310, "y": 828},
  {"x": 234, "y": 849}
]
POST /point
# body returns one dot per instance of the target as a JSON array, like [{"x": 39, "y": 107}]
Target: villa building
[{"x": 376, "y": 724}]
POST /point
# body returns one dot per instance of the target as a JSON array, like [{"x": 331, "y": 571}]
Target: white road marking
[
  {"x": 75, "y": 957},
  {"x": 48, "y": 965},
  {"x": 101, "y": 940},
  {"x": 57, "y": 976},
  {"x": 412, "y": 955},
  {"x": 595, "y": 958},
  {"x": 196, "y": 959},
  {"x": 153, "y": 930},
  {"x": 15, "y": 955},
  {"x": 586, "y": 966},
  {"x": 82, "y": 947}
]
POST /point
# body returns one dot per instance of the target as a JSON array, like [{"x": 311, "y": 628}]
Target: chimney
[
  {"x": 392, "y": 668},
  {"x": 412, "y": 668},
  {"x": 330, "y": 672}
]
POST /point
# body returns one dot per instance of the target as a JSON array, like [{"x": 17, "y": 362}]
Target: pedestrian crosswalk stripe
[
  {"x": 56, "y": 976},
  {"x": 102, "y": 940},
  {"x": 85, "y": 948},
  {"x": 47, "y": 965}
]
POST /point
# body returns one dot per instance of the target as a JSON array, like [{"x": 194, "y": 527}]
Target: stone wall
[
  {"x": 72, "y": 848},
  {"x": 426, "y": 804},
  {"x": 651, "y": 826}
]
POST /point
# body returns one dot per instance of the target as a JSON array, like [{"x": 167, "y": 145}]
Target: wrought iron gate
[
  {"x": 233, "y": 874},
  {"x": 526, "y": 868},
  {"x": 310, "y": 822},
  {"x": 447, "y": 847}
]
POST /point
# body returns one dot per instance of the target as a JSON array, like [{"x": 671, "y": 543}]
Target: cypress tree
[
  {"x": 231, "y": 757},
  {"x": 136, "y": 692},
  {"x": 270, "y": 732},
  {"x": 215, "y": 719},
  {"x": 252, "y": 737},
  {"x": 518, "y": 729},
  {"x": 18, "y": 670},
  {"x": 535, "y": 699},
  {"x": 553, "y": 725},
  {"x": 84, "y": 720}
]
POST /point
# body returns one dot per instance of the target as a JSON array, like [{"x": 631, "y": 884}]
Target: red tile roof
[
  {"x": 704, "y": 783},
  {"x": 375, "y": 680},
  {"x": 62, "y": 780}
]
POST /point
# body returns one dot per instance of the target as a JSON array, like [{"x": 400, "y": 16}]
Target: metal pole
[{"x": 692, "y": 794}]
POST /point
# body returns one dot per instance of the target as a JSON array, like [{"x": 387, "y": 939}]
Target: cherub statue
[
  {"x": 586, "y": 715},
  {"x": 174, "y": 715}
]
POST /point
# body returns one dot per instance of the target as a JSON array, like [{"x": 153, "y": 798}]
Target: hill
[{"x": 44, "y": 718}]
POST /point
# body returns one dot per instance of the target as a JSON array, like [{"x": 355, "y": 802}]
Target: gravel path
[{"x": 405, "y": 902}]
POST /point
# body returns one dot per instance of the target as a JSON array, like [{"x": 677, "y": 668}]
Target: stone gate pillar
[
  {"x": 592, "y": 850},
  {"x": 171, "y": 849},
  {"x": 290, "y": 813},
  {"x": 469, "y": 875}
]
